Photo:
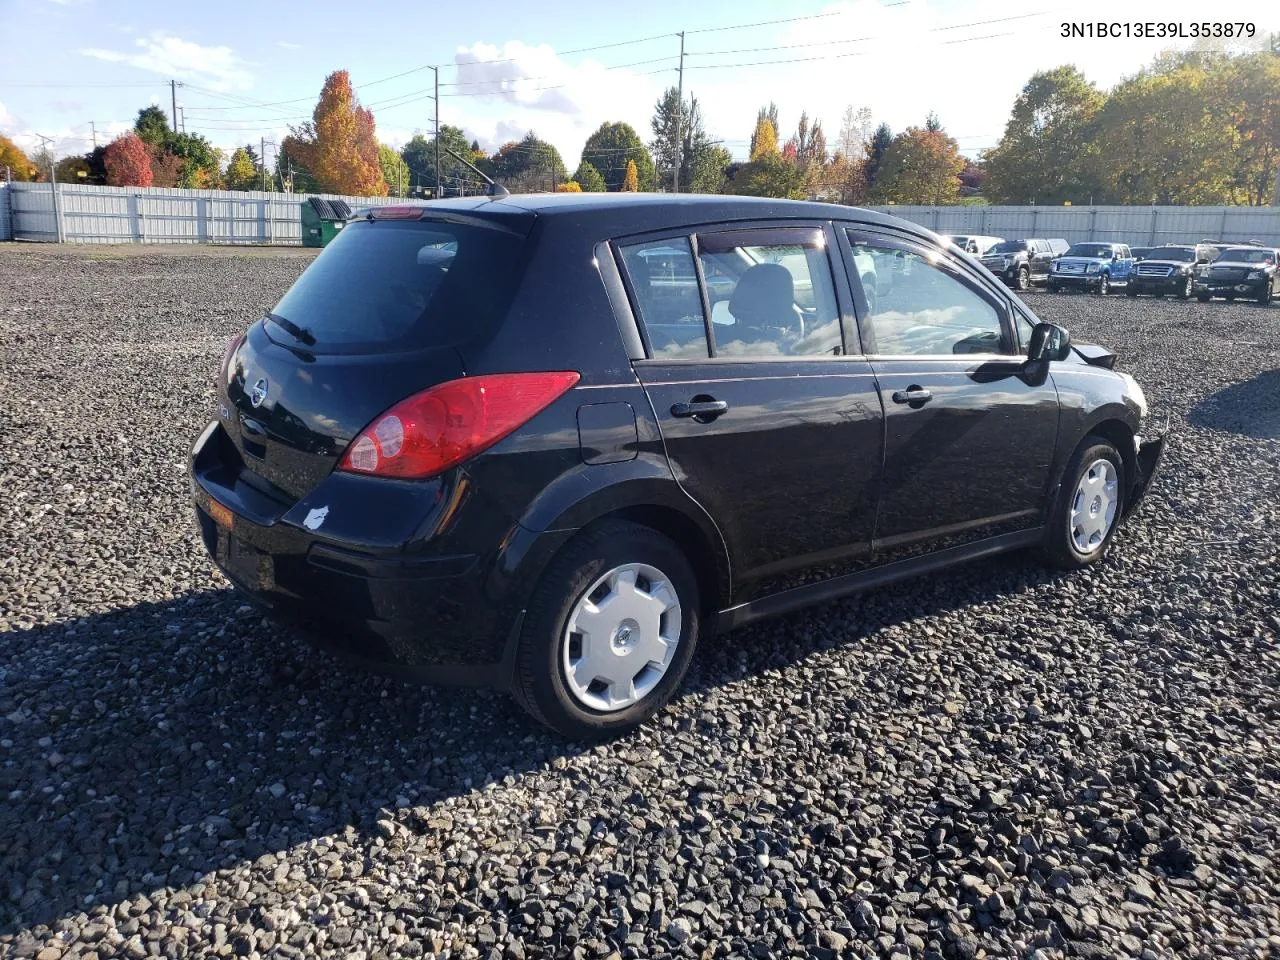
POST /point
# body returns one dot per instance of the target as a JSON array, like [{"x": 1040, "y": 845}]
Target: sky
[{"x": 506, "y": 68}]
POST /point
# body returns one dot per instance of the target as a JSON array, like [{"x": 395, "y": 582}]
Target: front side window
[
  {"x": 920, "y": 307},
  {"x": 664, "y": 283},
  {"x": 771, "y": 293}
]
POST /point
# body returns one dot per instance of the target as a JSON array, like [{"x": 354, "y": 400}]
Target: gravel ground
[{"x": 998, "y": 761}]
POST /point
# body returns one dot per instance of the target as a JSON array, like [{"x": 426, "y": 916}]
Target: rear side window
[
  {"x": 401, "y": 284},
  {"x": 664, "y": 282}
]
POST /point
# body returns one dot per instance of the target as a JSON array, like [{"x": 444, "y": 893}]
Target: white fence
[
  {"x": 148, "y": 215},
  {"x": 1138, "y": 226},
  {"x": 92, "y": 214}
]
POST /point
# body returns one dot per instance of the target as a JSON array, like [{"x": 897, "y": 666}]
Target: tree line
[{"x": 1191, "y": 128}]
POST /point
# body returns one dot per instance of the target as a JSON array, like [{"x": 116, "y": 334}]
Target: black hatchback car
[{"x": 544, "y": 443}]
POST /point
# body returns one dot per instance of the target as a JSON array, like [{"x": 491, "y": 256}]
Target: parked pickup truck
[
  {"x": 1091, "y": 266},
  {"x": 1170, "y": 269},
  {"x": 1020, "y": 263}
]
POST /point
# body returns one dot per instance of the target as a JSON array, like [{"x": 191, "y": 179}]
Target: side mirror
[{"x": 1049, "y": 342}]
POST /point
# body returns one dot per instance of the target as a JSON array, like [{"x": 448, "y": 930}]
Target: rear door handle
[
  {"x": 699, "y": 409},
  {"x": 912, "y": 395}
]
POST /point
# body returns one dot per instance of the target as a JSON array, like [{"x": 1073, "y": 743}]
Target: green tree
[
  {"x": 1157, "y": 141},
  {"x": 877, "y": 146},
  {"x": 679, "y": 133},
  {"x": 670, "y": 123},
  {"x": 609, "y": 149},
  {"x": 769, "y": 175},
  {"x": 292, "y": 172},
  {"x": 152, "y": 126},
  {"x": 528, "y": 166},
  {"x": 1047, "y": 153},
  {"x": 588, "y": 177},
  {"x": 241, "y": 174},
  {"x": 20, "y": 166},
  {"x": 920, "y": 166},
  {"x": 200, "y": 161},
  {"x": 393, "y": 170},
  {"x": 420, "y": 157},
  {"x": 1248, "y": 88}
]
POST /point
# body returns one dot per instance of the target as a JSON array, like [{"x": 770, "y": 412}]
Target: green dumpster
[{"x": 322, "y": 219}]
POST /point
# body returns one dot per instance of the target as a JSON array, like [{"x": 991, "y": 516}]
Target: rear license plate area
[{"x": 245, "y": 563}]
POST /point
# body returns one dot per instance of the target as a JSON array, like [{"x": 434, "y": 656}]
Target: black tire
[
  {"x": 1023, "y": 280},
  {"x": 1202, "y": 297},
  {"x": 540, "y": 684},
  {"x": 1104, "y": 285},
  {"x": 1130, "y": 290},
  {"x": 1264, "y": 298},
  {"x": 1059, "y": 548},
  {"x": 1188, "y": 288},
  {"x": 1230, "y": 298},
  {"x": 1051, "y": 287}
]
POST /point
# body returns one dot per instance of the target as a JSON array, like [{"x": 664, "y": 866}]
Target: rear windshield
[
  {"x": 400, "y": 284},
  {"x": 1009, "y": 246}
]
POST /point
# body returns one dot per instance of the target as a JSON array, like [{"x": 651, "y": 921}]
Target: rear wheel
[
  {"x": 1024, "y": 279},
  {"x": 1051, "y": 287},
  {"x": 1089, "y": 506},
  {"x": 1264, "y": 297},
  {"x": 1130, "y": 290},
  {"x": 1202, "y": 297},
  {"x": 1188, "y": 288},
  {"x": 1104, "y": 285},
  {"x": 610, "y": 633}
]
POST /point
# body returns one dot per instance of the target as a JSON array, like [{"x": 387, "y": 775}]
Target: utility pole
[
  {"x": 182, "y": 114},
  {"x": 675, "y": 173},
  {"x": 94, "y": 130},
  {"x": 262, "y": 159},
  {"x": 53, "y": 185},
  {"x": 173, "y": 102},
  {"x": 439, "y": 192}
]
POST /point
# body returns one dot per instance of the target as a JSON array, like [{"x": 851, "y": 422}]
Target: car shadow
[
  {"x": 165, "y": 741},
  {"x": 1250, "y": 409}
]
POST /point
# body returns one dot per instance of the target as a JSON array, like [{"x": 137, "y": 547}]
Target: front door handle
[
  {"x": 914, "y": 395},
  {"x": 702, "y": 409}
]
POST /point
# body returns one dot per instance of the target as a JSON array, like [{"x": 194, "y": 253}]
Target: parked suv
[
  {"x": 1020, "y": 263},
  {"x": 1169, "y": 269},
  {"x": 1091, "y": 266},
  {"x": 973, "y": 243},
  {"x": 1243, "y": 271},
  {"x": 546, "y": 443}
]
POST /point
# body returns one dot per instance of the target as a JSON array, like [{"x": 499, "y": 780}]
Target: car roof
[{"x": 617, "y": 214}]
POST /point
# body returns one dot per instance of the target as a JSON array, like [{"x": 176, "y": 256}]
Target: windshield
[
  {"x": 1097, "y": 250},
  {"x": 1009, "y": 246},
  {"x": 391, "y": 284},
  {"x": 1141, "y": 253},
  {"x": 1181, "y": 254},
  {"x": 1247, "y": 255}
]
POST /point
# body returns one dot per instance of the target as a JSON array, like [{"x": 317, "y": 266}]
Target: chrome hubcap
[
  {"x": 621, "y": 637},
  {"x": 1093, "y": 511}
]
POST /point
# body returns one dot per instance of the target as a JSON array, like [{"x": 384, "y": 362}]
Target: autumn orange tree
[
  {"x": 631, "y": 179},
  {"x": 19, "y": 164},
  {"x": 128, "y": 162},
  {"x": 922, "y": 165},
  {"x": 338, "y": 147}
]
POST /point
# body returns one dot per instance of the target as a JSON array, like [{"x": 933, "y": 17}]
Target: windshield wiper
[{"x": 301, "y": 334}]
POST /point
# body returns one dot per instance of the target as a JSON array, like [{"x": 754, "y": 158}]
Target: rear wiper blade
[{"x": 301, "y": 334}]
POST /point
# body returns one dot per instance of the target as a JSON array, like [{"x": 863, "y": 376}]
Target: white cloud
[
  {"x": 8, "y": 122},
  {"x": 217, "y": 67},
  {"x": 500, "y": 93},
  {"x": 288, "y": 45}
]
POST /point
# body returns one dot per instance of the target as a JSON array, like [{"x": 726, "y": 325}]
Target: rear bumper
[
  {"x": 438, "y": 617},
  {"x": 1149, "y": 452}
]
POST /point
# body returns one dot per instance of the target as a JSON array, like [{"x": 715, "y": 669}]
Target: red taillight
[
  {"x": 398, "y": 212},
  {"x": 233, "y": 345},
  {"x": 441, "y": 427}
]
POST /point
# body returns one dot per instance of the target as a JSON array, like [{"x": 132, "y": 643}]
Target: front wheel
[
  {"x": 1104, "y": 285},
  {"x": 1089, "y": 506},
  {"x": 1131, "y": 290},
  {"x": 1024, "y": 279},
  {"x": 610, "y": 632},
  {"x": 1188, "y": 288},
  {"x": 1264, "y": 297},
  {"x": 1051, "y": 287},
  {"x": 1202, "y": 297}
]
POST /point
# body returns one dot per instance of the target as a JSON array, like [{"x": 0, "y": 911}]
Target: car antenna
[{"x": 496, "y": 190}]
